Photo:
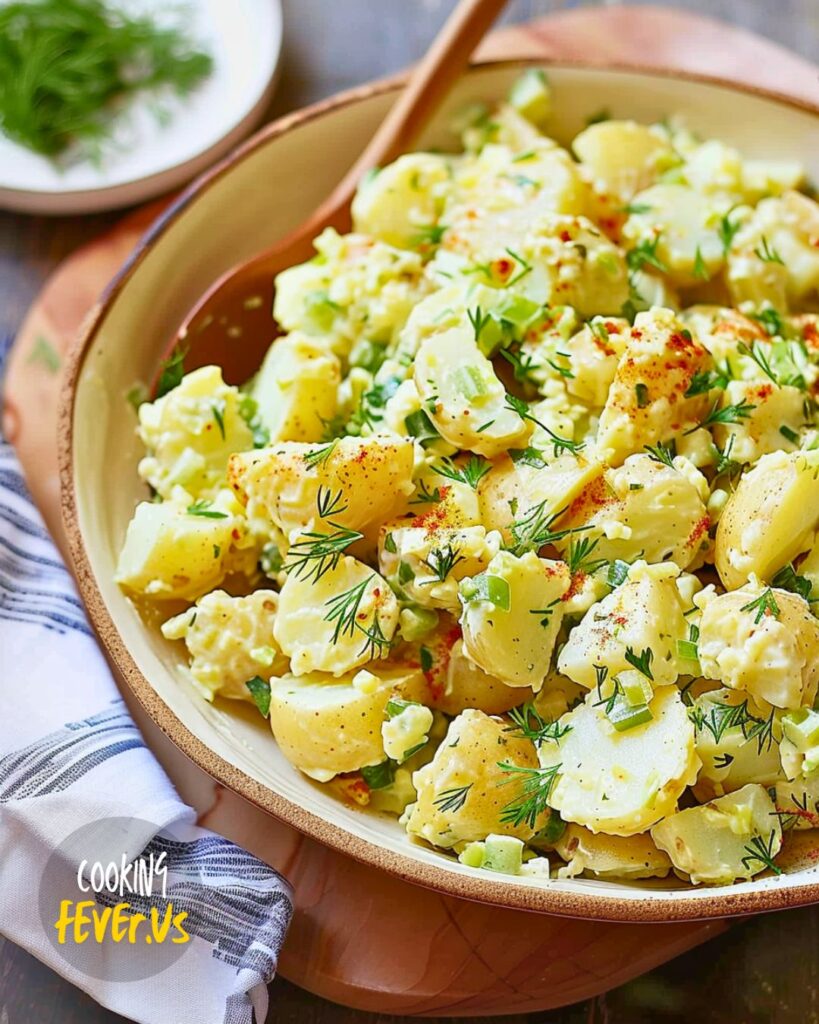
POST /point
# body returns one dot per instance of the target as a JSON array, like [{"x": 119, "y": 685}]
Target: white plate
[{"x": 149, "y": 155}]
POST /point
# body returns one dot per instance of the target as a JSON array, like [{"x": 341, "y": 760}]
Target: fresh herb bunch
[{"x": 64, "y": 62}]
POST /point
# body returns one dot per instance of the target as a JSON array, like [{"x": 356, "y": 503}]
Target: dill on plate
[{"x": 66, "y": 64}]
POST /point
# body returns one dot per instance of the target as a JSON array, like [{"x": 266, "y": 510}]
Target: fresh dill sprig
[
  {"x": 535, "y": 531},
  {"x": 452, "y": 799},
  {"x": 424, "y": 496},
  {"x": 524, "y": 366},
  {"x": 771, "y": 320},
  {"x": 700, "y": 268},
  {"x": 479, "y": 320},
  {"x": 726, "y": 414},
  {"x": 536, "y": 786},
  {"x": 560, "y": 444},
  {"x": 470, "y": 472},
  {"x": 342, "y": 609},
  {"x": 726, "y": 230},
  {"x": 320, "y": 455},
  {"x": 765, "y": 604},
  {"x": 723, "y": 717},
  {"x": 530, "y": 724},
  {"x": 788, "y": 579},
  {"x": 663, "y": 453},
  {"x": 644, "y": 254},
  {"x": 767, "y": 254},
  {"x": 762, "y": 851},
  {"x": 525, "y": 268},
  {"x": 725, "y": 465},
  {"x": 578, "y": 557},
  {"x": 641, "y": 661},
  {"x": 171, "y": 371},
  {"x": 706, "y": 380},
  {"x": 441, "y": 561},
  {"x": 329, "y": 503},
  {"x": 756, "y": 352},
  {"x": 314, "y": 554},
  {"x": 202, "y": 508},
  {"x": 65, "y": 64}
]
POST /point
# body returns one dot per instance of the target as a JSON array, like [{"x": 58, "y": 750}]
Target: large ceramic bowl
[{"x": 246, "y": 202}]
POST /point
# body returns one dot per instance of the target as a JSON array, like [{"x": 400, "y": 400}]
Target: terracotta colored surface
[{"x": 482, "y": 960}]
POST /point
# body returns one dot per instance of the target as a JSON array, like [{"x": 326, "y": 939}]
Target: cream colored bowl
[{"x": 242, "y": 205}]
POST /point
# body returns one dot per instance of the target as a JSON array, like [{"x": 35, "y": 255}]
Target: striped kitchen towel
[{"x": 87, "y": 814}]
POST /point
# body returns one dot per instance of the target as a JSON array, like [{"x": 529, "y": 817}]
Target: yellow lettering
[
  {"x": 80, "y": 919},
  {"x": 119, "y": 927},
  {"x": 133, "y": 924},
  {"x": 177, "y": 923},
  {"x": 161, "y": 931},
  {"x": 64, "y": 920},
  {"x": 101, "y": 923}
]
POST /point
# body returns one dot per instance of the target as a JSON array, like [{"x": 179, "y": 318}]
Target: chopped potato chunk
[
  {"x": 353, "y": 480},
  {"x": 337, "y": 622},
  {"x": 733, "y": 837},
  {"x": 648, "y": 400},
  {"x": 511, "y": 616},
  {"x": 230, "y": 640},
  {"x": 622, "y": 783},
  {"x": 462, "y": 792},
  {"x": 326, "y": 725},
  {"x": 464, "y": 397},
  {"x": 761, "y": 640},
  {"x": 296, "y": 388},
  {"x": 770, "y": 518}
]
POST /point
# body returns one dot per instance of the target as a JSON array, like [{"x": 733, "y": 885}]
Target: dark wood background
[{"x": 763, "y": 971}]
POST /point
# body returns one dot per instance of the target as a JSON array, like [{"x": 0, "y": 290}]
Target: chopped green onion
[
  {"x": 486, "y": 587},
  {"x": 379, "y": 776},
  {"x": 420, "y": 426},
  {"x": 260, "y": 692}
]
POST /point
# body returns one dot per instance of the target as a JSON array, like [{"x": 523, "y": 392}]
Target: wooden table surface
[{"x": 765, "y": 970}]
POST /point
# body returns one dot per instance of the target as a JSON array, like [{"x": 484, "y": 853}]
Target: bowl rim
[{"x": 543, "y": 899}]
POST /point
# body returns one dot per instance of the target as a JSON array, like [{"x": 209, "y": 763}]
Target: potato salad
[{"x": 514, "y": 534}]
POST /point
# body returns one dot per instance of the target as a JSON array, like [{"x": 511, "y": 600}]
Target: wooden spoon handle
[
  {"x": 433, "y": 77},
  {"x": 444, "y": 63}
]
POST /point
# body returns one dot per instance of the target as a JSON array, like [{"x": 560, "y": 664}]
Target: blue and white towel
[{"x": 72, "y": 757}]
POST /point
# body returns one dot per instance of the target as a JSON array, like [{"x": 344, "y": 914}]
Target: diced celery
[
  {"x": 486, "y": 587},
  {"x": 503, "y": 854},
  {"x": 518, "y": 310},
  {"x": 472, "y": 855},
  {"x": 687, "y": 649},
  {"x": 416, "y": 622},
  {"x": 469, "y": 116},
  {"x": 802, "y": 728},
  {"x": 492, "y": 336},
  {"x": 469, "y": 381},
  {"x": 636, "y": 688},
  {"x": 530, "y": 96},
  {"x": 624, "y": 717},
  {"x": 538, "y": 867},
  {"x": 321, "y": 309},
  {"x": 263, "y": 655}
]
